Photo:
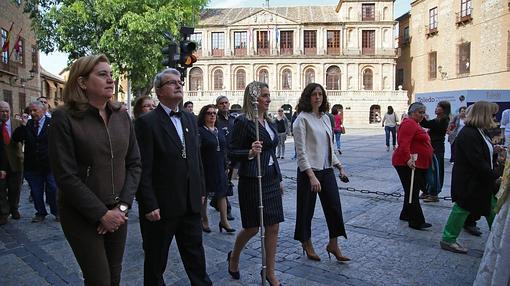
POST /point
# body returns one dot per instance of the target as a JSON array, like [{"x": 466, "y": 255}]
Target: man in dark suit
[
  {"x": 171, "y": 189},
  {"x": 11, "y": 158},
  {"x": 36, "y": 165}
]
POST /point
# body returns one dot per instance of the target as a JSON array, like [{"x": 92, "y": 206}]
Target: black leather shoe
[
  {"x": 421, "y": 226},
  {"x": 206, "y": 229},
  {"x": 15, "y": 214},
  {"x": 473, "y": 230},
  {"x": 230, "y": 216}
]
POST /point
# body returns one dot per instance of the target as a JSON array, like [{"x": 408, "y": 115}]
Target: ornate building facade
[
  {"x": 351, "y": 53},
  {"x": 19, "y": 62}
]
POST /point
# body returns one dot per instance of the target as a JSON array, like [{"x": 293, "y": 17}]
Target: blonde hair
[
  {"x": 75, "y": 97},
  {"x": 480, "y": 114},
  {"x": 251, "y": 94}
]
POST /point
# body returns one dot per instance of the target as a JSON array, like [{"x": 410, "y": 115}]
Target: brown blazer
[
  {"x": 14, "y": 151},
  {"x": 95, "y": 167}
]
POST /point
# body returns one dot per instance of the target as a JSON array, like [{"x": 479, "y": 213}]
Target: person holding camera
[{"x": 316, "y": 158}]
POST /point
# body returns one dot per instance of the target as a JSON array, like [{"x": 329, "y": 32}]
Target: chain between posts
[{"x": 364, "y": 191}]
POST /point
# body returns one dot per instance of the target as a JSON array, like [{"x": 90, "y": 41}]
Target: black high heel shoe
[
  {"x": 235, "y": 274},
  {"x": 339, "y": 257},
  {"x": 222, "y": 227},
  {"x": 267, "y": 279}
]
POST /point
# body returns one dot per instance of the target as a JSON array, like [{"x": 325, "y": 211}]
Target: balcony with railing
[
  {"x": 218, "y": 52},
  {"x": 239, "y": 52},
  {"x": 368, "y": 51},
  {"x": 286, "y": 51},
  {"x": 431, "y": 30},
  {"x": 11, "y": 67},
  {"x": 464, "y": 16},
  {"x": 263, "y": 51},
  {"x": 310, "y": 51}
]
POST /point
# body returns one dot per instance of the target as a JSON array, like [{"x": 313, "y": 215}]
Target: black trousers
[
  {"x": 99, "y": 256},
  {"x": 330, "y": 200},
  {"x": 10, "y": 192},
  {"x": 412, "y": 211},
  {"x": 440, "y": 161},
  {"x": 157, "y": 237}
]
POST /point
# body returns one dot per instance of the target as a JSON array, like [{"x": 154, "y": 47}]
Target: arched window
[
  {"x": 264, "y": 76},
  {"x": 195, "y": 79},
  {"x": 375, "y": 114},
  {"x": 218, "y": 79},
  {"x": 333, "y": 78},
  {"x": 240, "y": 79},
  {"x": 309, "y": 76},
  {"x": 368, "y": 79},
  {"x": 286, "y": 79}
]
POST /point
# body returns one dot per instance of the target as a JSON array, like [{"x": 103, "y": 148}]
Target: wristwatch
[{"x": 123, "y": 208}]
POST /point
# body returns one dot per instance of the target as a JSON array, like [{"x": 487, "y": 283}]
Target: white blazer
[{"x": 309, "y": 137}]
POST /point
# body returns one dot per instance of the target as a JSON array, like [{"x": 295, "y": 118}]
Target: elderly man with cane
[{"x": 411, "y": 159}]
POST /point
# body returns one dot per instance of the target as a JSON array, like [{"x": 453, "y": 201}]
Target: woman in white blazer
[{"x": 313, "y": 138}]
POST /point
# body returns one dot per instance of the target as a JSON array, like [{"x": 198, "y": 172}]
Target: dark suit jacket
[
  {"x": 12, "y": 154},
  {"x": 243, "y": 135},
  {"x": 36, "y": 146},
  {"x": 472, "y": 176},
  {"x": 169, "y": 182}
]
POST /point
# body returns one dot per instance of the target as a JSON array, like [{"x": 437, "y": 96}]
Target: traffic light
[
  {"x": 169, "y": 53},
  {"x": 186, "y": 57}
]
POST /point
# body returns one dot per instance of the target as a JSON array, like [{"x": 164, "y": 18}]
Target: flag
[
  {"x": 17, "y": 45},
  {"x": 5, "y": 47}
]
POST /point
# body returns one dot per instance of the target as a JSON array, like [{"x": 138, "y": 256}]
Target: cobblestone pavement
[{"x": 383, "y": 249}]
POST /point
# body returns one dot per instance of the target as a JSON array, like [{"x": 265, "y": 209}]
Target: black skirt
[{"x": 271, "y": 198}]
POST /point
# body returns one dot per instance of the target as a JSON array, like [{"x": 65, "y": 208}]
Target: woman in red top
[{"x": 413, "y": 139}]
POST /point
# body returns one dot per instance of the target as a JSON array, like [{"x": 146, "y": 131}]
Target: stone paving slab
[{"x": 384, "y": 250}]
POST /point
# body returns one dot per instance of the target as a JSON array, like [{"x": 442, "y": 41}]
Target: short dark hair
[
  {"x": 334, "y": 110},
  {"x": 201, "y": 114},
  {"x": 187, "y": 103},
  {"x": 305, "y": 105}
]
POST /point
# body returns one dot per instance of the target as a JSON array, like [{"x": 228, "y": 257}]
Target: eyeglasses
[
  {"x": 210, "y": 113},
  {"x": 280, "y": 110},
  {"x": 172, "y": 82}
]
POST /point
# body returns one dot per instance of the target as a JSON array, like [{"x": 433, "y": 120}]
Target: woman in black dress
[
  {"x": 212, "y": 148},
  {"x": 244, "y": 148}
]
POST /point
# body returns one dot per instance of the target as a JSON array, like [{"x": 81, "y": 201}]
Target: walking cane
[
  {"x": 414, "y": 157},
  {"x": 255, "y": 92}
]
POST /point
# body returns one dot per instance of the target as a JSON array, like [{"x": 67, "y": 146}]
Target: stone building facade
[
  {"x": 351, "y": 53},
  {"x": 52, "y": 88},
  {"x": 19, "y": 64},
  {"x": 459, "y": 45}
]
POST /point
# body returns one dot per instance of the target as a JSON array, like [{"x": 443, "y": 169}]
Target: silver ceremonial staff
[{"x": 255, "y": 93}]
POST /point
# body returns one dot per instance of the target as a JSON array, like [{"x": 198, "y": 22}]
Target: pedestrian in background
[
  {"x": 11, "y": 166},
  {"x": 225, "y": 123},
  {"x": 456, "y": 124},
  {"x": 143, "y": 104},
  {"x": 188, "y": 106},
  {"x": 390, "y": 123},
  {"x": 473, "y": 174},
  {"x": 437, "y": 131},
  {"x": 212, "y": 148},
  {"x": 412, "y": 139},
  {"x": 244, "y": 147},
  {"x": 36, "y": 164},
  {"x": 337, "y": 127},
  {"x": 282, "y": 126},
  {"x": 505, "y": 126},
  {"x": 316, "y": 159},
  {"x": 95, "y": 157}
]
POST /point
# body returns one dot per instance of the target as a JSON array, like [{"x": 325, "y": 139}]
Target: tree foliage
[{"x": 129, "y": 32}]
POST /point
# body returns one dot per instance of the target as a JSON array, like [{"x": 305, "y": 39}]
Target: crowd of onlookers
[{"x": 175, "y": 162}]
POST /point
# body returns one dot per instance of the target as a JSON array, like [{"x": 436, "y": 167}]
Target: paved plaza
[{"x": 383, "y": 249}]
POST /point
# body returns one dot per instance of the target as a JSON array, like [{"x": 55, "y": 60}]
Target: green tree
[{"x": 129, "y": 32}]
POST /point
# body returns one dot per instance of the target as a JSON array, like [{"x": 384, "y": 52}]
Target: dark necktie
[
  {"x": 173, "y": 113},
  {"x": 36, "y": 126}
]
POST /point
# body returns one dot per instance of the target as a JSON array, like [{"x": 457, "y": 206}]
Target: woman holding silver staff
[
  {"x": 316, "y": 157},
  {"x": 244, "y": 148}
]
